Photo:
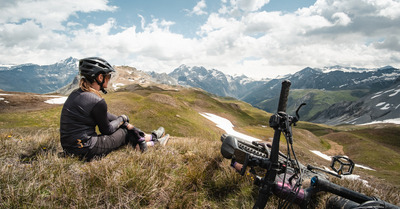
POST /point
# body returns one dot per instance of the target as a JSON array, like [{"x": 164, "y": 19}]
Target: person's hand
[
  {"x": 130, "y": 126},
  {"x": 125, "y": 118}
]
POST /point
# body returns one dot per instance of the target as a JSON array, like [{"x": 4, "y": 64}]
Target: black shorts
[{"x": 107, "y": 143}]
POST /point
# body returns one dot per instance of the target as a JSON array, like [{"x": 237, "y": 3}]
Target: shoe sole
[
  {"x": 164, "y": 140},
  {"x": 163, "y": 133}
]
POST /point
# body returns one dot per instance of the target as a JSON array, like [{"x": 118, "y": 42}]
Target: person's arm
[
  {"x": 101, "y": 116},
  {"x": 237, "y": 166},
  {"x": 111, "y": 116}
]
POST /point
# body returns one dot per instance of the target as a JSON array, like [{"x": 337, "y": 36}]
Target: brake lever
[
  {"x": 297, "y": 118},
  {"x": 298, "y": 109},
  {"x": 294, "y": 120}
]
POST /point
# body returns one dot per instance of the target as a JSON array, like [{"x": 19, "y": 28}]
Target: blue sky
[
  {"x": 258, "y": 38},
  {"x": 178, "y": 11}
]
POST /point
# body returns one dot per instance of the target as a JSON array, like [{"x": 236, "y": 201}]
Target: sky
[{"x": 257, "y": 38}]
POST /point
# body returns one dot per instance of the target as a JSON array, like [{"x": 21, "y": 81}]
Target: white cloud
[
  {"x": 240, "y": 38},
  {"x": 341, "y": 19},
  {"x": 199, "y": 8},
  {"x": 34, "y": 31},
  {"x": 236, "y": 8},
  {"x": 251, "y": 5},
  {"x": 48, "y": 13},
  {"x": 389, "y": 8},
  {"x": 13, "y": 34},
  {"x": 391, "y": 43},
  {"x": 142, "y": 21}
]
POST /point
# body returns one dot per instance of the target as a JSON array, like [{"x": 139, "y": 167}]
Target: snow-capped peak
[{"x": 351, "y": 69}]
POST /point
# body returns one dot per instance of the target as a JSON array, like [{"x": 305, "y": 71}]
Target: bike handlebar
[
  {"x": 337, "y": 202},
  {"x": 327, "y": 186},
  {"x": 345, "y": 199}
]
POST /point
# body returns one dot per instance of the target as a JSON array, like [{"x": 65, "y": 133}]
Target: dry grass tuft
[{"x": 188, "y": 173}]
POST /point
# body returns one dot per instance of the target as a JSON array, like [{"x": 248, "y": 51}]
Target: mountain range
[
  {"x": 323, "y": 90},
  {"x": 332, "y": 79},
  {"x": 334, "y": 95},
  {"x": 382, "y": 106},
  {"x": 38, "y": 78},
  {"x": 213, "y": 81}
]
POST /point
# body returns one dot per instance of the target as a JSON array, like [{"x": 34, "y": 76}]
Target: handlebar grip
[
  {"x": 327, "y": 186},
  {"x": 336, "y": 202},
  {"x": 284, "y": 96}
]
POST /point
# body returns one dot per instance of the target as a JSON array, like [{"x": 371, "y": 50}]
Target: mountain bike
[{"x": 284, "y": 174}]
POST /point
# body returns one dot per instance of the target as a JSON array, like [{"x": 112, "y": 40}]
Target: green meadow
[{"x": 189, "y": 172}]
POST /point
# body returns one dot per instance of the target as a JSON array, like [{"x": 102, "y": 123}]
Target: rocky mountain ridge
[
  {"x": 38, "y": 78},
  {"x": 373, "y": 80},
  {"x": 382, "y": 106},
  {"x": 213, "y": 81}
]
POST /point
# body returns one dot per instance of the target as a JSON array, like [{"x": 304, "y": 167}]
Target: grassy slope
[
  {"x": 179, "y": 111},
  {"x": 377, "y": 146},
  {"x": 188, "y": 173},
  {"x": 42, "y": 118}
]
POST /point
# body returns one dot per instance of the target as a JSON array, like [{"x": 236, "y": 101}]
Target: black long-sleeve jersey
[{"x": 80, "y": 115}]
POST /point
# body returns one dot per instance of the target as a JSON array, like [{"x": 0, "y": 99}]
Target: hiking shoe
[
  {"x": 163, "y": 140},
  {"x": 157, "y": 134},
  {"x": 143, "y": 146}
]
